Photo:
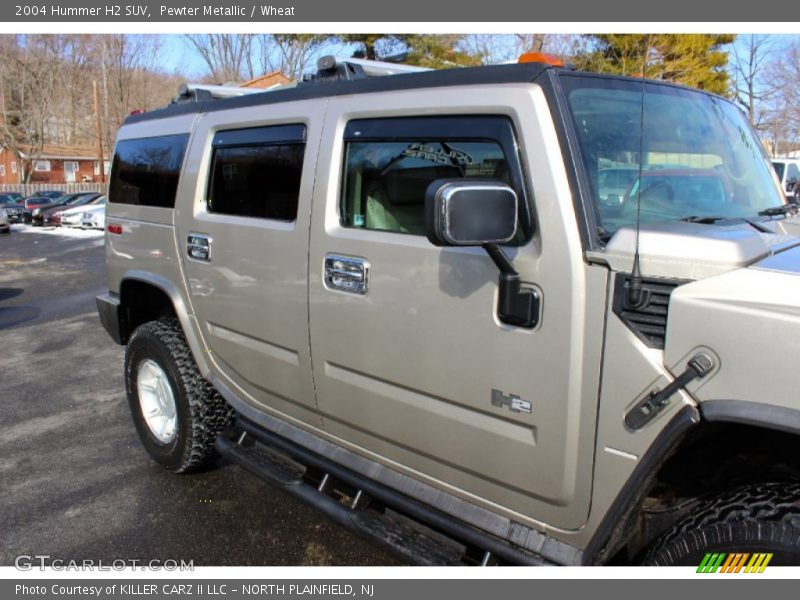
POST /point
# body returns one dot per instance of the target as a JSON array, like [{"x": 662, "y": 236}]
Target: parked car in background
[
  {"x": 613, "y": 182},
  {"x": 52, "y": 194},
  {"x": 15, "y": 197},
  {"x": 672, "y": 192},
  {"x": 95, "y": 217},
  {"x": 788, "y": 171},
  {"x": 12, "y": 210},
  {"x": 5, "y": 226},
  {"x": 40, "y": 214},
  {"x": 71, "y": 216},
  {"x": 31, "y": 203},
  {"x": 37, "y": 213}
]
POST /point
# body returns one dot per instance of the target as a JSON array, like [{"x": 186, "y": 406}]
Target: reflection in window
[
  {"x": 696, "y": 153},
  {"x": 385, "y": 182},
  {"x": 145, "y": 171}
]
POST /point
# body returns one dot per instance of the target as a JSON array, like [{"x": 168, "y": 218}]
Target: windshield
[
  {"x": 699, "y": 155},
  {"x": 779, "y": 167}
]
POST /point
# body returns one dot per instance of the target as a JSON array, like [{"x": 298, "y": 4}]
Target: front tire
[
  {"x": 177, "y": 412},
  {"x": 761, "y": 518}
]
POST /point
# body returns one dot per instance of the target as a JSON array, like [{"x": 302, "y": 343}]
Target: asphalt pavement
[{"x": 75, "y": 483}]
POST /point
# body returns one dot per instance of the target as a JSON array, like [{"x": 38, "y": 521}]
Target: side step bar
[{"x": 416, "y": 533}]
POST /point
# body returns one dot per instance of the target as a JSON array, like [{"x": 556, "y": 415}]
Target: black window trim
[
  {"x": 263, "y": 135},
  {"x": 497, "y": 127}
]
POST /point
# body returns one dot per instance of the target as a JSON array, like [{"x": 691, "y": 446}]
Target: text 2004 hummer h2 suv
[{"x": 413, "y": 301}]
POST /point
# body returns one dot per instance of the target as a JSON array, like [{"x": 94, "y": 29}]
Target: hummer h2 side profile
[{"x": 511, "y": 314}]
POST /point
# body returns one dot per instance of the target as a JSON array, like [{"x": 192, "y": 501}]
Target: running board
[{"x": 416, "y": 533}]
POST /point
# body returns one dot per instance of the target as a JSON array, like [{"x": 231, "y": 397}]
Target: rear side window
[
  {"x": 389, "y": 164},
  {"x": 256, "y": 172},
  {"x": 145, "y": 171}
]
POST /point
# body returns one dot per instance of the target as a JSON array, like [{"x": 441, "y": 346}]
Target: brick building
[{"x": 56, "y": 164}]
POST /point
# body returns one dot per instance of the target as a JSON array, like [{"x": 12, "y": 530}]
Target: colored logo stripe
[
  {"x": 734, "y": 563},
  {"x": 711, "y": 563},
  {"x": 758, "y": 563}
]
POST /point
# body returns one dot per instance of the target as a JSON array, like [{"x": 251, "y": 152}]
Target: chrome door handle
[
  {"x": 198, "y": 246},
  {"x": 346, "y": 274}
]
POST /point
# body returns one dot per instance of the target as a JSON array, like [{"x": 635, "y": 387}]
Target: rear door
[
  {"x": 244, "y": 249},
  {"x": 411, "y": 364}
]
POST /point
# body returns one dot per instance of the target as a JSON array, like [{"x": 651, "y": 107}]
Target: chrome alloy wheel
[{"x": 157, "y": 401}]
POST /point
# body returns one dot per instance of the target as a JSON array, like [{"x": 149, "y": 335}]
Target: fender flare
[
  {"x": 185, "y": 318},
  {"x": 613, "y": 526},
  {"x": 766, "y": 416}
]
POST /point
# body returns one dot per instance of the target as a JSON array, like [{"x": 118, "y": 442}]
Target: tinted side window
[
  {"x": 145, "y": 171},
  {"x": 389, "y": 164},
  {"x": 256, "y": 172}
]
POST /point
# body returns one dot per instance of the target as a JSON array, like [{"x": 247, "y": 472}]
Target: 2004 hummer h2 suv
[{"x": 511, "y": 314}]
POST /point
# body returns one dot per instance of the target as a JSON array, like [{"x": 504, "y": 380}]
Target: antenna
[{"x": 636, "y": 298}]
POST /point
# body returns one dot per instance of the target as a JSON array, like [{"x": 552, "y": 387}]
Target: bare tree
[
  {"x": 228, "y": 56},
  {"x": 780, "y": 115},
  {"x": 749, "y": 84},
  {"x": 291, "y": 54},
  {"x": 28, "y": 87},
  {"x": 129, "y": 77}
]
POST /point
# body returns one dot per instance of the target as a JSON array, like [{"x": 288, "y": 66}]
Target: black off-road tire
[
  {"x": 201, "y": 411},
  {"x": 755, "y": 518}
]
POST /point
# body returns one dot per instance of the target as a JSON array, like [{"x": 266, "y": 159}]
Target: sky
[{"x": 177, "y": 56}]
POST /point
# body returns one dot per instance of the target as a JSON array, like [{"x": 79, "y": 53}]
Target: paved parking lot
[{"x": 76, "y": 483}]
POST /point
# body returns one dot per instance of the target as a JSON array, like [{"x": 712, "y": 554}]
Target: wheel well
[
  {"x": 712, "y": 458},
  {"x": 141, "y": 302}
]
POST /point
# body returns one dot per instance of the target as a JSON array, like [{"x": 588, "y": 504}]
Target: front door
[
  {"x": 411, "y": 364},
  {"x": 70, "y": 170},
  {"x": 245, "y": 250}
]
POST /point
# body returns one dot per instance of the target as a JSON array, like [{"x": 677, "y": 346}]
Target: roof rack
[
  {"x": 196, "y": 92},
  {"x": 329, "y": 68}
]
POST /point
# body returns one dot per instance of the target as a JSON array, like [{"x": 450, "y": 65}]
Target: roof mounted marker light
[{"x": 541, "y": 57}]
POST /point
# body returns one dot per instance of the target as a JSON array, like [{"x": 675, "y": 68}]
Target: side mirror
[
  {"x": 460, "y": 212},
  {"x": 463, "y": 212}
]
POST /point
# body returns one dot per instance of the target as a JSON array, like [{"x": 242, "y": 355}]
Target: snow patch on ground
[{"x": 67, "y": 232}]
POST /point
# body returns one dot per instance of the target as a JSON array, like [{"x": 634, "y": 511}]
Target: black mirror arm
[
  {"x": 515, "y": 305},
  {"x": 499, "y": 258}
]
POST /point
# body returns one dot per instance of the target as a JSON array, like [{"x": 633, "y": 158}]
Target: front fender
[{"x": 749, "y": 318}]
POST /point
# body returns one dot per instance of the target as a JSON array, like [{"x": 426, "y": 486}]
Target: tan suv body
[{"x": 281, "y": 239}]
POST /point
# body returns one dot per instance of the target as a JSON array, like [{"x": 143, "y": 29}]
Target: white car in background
[
  {"x": 5, "y": 226},
  {"x": 788, "y": 171},
  {"x": 72, "y": 217},
  {"x": 94, "y": 217}
]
